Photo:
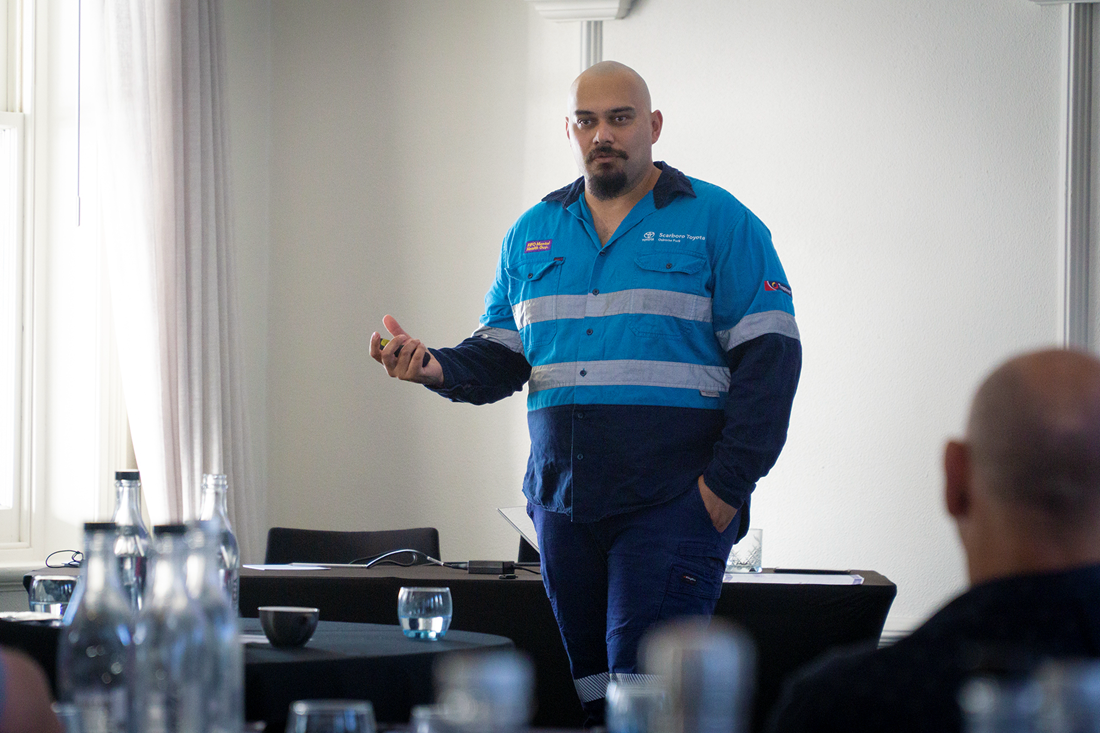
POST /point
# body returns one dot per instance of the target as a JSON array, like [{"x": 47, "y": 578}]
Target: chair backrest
[{"x": 285, "y": 544}]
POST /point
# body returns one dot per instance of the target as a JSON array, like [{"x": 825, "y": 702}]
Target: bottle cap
[{"x": 127, "y": 475}]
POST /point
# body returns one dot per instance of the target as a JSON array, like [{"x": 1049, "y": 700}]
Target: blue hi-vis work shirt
[{"x": 668, "y": 353}]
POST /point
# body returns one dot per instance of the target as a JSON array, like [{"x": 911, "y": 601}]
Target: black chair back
[{"x": 286, "y": 545}]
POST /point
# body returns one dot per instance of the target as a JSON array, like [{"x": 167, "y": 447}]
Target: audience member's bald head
[
  {"x": 1034, "y": 432},
  {"x": 1024, "y": 487}
]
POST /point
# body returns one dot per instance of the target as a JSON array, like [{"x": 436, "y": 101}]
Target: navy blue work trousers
[{"x": 610, "y": 580}]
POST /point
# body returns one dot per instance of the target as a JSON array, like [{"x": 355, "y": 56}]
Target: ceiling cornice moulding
[{"x": 565, "y": 10}]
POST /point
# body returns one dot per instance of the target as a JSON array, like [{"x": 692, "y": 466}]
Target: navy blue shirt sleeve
[
  {"x": 764, "y": 376},
  {"x": 479, "y": 371}
]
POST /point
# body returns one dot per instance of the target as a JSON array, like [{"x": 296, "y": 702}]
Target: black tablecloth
[
  {"x": 791, "y": 624},
  {"x": 349, "y": 661},
  {"x": 354, "y": 661}
]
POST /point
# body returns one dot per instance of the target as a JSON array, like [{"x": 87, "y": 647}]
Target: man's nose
[{"x": 603, "y": 134}]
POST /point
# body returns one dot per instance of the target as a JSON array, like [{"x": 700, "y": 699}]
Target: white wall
[
  {"x": 398, "y": 138},
  {"x": 904, "y": 154}
]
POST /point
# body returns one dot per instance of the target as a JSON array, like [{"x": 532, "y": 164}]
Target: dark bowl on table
[{"x": 288, "y": 626}]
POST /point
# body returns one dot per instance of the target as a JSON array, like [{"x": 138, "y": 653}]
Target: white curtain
[{"x": 165, "y": 223}]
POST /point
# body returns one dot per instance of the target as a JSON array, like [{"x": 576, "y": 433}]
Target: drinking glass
[
  {"x": 425, "y": 613},
  {"x": 1071, "y": 695},
  {"x": 69, "y": 715},
  {"x": 745, "y": 556},
  {"x": 331, "y": 716},
  {"x": 485, "y": 692},
  {"x": 51, "y": 593},
  {"x": 635, "y": 706},
  {"x": 992, "y": 705},
  {"x": 430, "y": 719},
  {"x": 708, "y": 668}
]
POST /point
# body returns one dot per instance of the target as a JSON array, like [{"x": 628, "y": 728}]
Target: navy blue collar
[{"x": 671, "y": 184}]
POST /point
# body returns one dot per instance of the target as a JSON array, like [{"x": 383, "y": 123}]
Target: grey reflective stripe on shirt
[
  {"x": 639, "y": 301},
  {"x": 630, "y": 372},
  {"x": 592, "y": 687},
  {"x": 758, "y": 324},
  {"x": 502, "y": 336}
]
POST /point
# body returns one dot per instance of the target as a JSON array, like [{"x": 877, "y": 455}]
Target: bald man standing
[
  {"x": 1024, "y": 490},
  {"x": 652, "y": 322}
]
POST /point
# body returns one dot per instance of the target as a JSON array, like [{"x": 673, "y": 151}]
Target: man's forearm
[
  {"x": 480, "y": 371},
  {"x": 764, "y": 377}
]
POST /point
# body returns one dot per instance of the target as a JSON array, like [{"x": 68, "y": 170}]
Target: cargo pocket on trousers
[{"x": 694, "y": 582}]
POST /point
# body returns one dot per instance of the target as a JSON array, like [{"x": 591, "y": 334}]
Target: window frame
[
  {"x": 73, "y": 432},
  {"x": 15, "y": 520}
]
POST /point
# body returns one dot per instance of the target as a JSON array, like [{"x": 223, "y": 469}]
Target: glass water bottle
[
  {"x": 132, "y": 546},
  {"x": 223, "y": 659},
  {"x": 170, "y": 639},
  {"x": 94, "y": 650},
  {"x": 214, "y": 488}
]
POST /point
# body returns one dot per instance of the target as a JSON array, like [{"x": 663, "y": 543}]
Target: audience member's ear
[{"x": 956, "y": 472}]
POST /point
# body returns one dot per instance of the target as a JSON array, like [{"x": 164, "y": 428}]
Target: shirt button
[
  {"x": 530, "y": 275},
  {"x": 583, "y": 372},
  {"x": 580, "y": 415},
  {"x": 596, "y": 291},
  {"x": 580, "y": 456},
  {"x": 668, "y": 266},
  {"x": 589, "y": 332}
]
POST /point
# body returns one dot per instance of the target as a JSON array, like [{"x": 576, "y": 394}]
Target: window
[
  {"x": 11, "y": 179},
  {"x": 14, "y": 503},
  {"x": 62, "y": 418}
]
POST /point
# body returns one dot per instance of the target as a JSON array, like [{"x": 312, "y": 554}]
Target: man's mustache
[{"x": 604, "y": 150}]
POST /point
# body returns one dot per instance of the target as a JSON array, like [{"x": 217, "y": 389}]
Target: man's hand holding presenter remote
[{"x": 404, "y": 357}]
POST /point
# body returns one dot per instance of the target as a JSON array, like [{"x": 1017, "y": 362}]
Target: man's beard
[{"x": 608, "y": 185}]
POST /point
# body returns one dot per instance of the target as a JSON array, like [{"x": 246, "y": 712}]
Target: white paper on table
[
  {"x": 254, "y": 639},
  {"x": 28, "y": 616},
  {"x": 285, "y": 567},
  {"x": 795, "y": 578}
]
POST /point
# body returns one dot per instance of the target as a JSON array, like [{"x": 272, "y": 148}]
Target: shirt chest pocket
[
  {"x": 666, "y": 295},
  {"x": 534, "y": 297}
]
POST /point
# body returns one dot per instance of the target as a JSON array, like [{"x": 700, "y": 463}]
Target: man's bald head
[
  {"x": 612, "y": 72},
  {"x": 1034, "y": 433}
]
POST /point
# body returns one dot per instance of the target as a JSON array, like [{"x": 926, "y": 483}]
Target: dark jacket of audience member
[{"x": 1024, "y": 491}]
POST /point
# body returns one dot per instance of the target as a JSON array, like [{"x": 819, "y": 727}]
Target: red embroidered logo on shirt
[
  {"x": 770, "y": 285},
  {"x": 538, "y": 245}
]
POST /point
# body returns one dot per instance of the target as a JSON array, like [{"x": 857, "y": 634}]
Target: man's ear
[
  {"x": 956, "y": 474},
  {"x": 657, "y": 122}
]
